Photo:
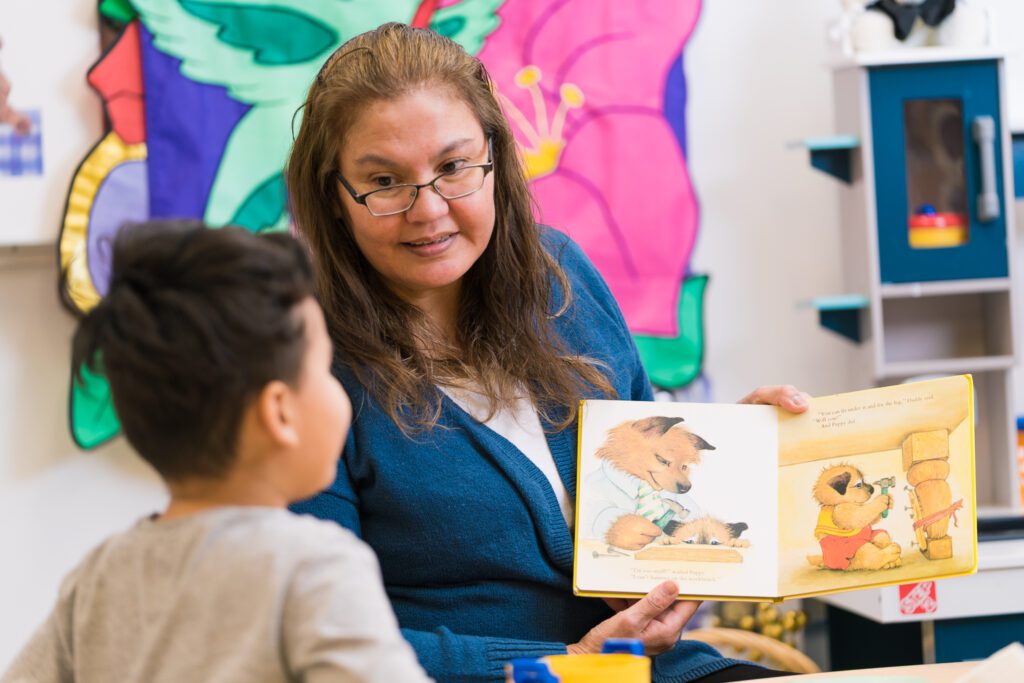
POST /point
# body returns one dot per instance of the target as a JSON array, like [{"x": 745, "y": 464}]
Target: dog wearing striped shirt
[{"x": 661, "y": 454}]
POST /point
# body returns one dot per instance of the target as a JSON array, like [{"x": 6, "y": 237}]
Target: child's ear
[{"x": 276, "y": 413}]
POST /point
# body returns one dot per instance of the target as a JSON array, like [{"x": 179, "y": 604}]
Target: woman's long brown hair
[{"x": 505, "y": 341}]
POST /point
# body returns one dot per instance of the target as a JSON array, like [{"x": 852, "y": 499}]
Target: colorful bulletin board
[{"x": 200, "y": 96}]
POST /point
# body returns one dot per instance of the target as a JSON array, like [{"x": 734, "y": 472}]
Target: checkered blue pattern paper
[{"x": 22, "y": 154}]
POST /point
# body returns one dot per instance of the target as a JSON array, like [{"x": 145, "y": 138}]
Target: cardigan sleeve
[{"x": 454, "y": 658}]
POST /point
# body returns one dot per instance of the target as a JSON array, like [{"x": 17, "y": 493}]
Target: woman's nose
[{"x": 428, "y": 205}]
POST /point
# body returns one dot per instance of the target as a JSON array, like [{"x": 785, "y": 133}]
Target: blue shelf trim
[
  {"x": 841, "y": 314},
  {"x": 832, "y": 154}
]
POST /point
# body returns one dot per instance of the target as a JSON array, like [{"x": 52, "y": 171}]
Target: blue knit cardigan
[{"x": 475, "y": 553}]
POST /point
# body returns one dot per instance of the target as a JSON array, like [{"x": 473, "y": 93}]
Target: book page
[
  {"x": 677, "y": 491},
  {"x": 878, "y": 488}
]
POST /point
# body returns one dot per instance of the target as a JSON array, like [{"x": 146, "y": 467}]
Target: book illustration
[
  {"x": 907, "y": 451},
  {"x": 710, "y": 531},
  {"x": 683, "y": 554},
  {"x": 849, "y": 508},
  {"x": 926, "y": 463},
  {"x": 751, "y": 502},
  {"x": 676, "y": 491},
  {"x": 645, "y": 474}
]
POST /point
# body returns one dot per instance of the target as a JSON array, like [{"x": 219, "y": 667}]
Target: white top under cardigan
[{"x": 521, "y": 427}]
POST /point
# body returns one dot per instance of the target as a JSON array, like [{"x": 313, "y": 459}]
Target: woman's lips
[{"x": 431, "y": 246}]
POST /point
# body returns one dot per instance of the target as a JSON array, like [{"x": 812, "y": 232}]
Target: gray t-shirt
[{"x": 232, "y": 594}]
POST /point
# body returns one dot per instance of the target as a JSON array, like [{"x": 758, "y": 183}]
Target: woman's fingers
[
  {"x": 654, "y": 603},
  {"x": 679, "y": 614},
  {"x": 666, "y": 629},
  {"x": 656, "y": 619},
  {"x": 785, "y": 396}
]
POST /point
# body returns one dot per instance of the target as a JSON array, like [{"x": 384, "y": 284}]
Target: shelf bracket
[
  {"x": 841, "y": 314},
  {"x": 832, "y": 154}
]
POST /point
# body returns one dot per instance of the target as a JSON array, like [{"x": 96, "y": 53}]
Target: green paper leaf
[
  {"x": 276, "y": 35},
  {"x": 93, "y": 420},
  {"x": 262, "y": 209},
  {"x": 449, "y": 27},
  {"x": 468, "y": 23},
  {"x": 120, "y": 11},
  {"x": 674, "y": 362}
]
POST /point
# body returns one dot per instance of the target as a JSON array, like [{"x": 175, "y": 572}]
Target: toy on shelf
[
  {"x": 930, "y": 229},
  {"x": 888, "y": 25}
]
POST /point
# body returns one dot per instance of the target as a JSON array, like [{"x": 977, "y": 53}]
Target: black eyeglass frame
[{"x": 488, "y": 167}]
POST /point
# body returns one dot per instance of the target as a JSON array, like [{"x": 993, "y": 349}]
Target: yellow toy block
[
  {"x": 940, "y": 548},
  {"x": 925, "y": 446}
]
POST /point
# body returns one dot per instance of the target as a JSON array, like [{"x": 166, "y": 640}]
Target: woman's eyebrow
[
  {"x": 368, "y": 159},
  {"x": 375, "y": 159},
  {"x": 452, "y": 146}
]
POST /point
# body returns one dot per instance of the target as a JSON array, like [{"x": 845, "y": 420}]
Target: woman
[{"x": 466, "y": 336}]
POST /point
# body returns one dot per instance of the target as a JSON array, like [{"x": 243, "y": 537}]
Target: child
[{"x": 219, "y": 366}]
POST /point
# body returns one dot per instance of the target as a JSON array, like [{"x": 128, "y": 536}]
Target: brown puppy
[
  {"x": 844, "y": 523},
  {"x": 709, "y": 531},
  {"x": 658, "y": 451}
]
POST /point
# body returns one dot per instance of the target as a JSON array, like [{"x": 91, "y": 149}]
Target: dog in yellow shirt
[{"x": 844, "y": 529}]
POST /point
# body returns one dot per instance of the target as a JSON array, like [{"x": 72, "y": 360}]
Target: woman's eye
[
  {"x": 383, "y": 181},
  {"x": 451, "y": 166}
]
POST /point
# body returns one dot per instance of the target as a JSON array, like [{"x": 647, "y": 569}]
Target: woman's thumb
[{"x": 658, "y": 600}]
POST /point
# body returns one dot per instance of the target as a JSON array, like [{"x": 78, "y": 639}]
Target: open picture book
[{"x": 750, "y": 502}]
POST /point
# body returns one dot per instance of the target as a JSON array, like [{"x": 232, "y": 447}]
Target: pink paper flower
[{"x": 583, "y": 84}]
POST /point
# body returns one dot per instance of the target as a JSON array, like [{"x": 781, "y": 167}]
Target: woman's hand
[
  {"x": 786, "y": 397},
  {"x": 657, "y": 619}
]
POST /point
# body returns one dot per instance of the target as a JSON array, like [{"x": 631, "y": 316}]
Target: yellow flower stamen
[
  {"x": 528, "y": 76},
  {"x": 546, "y": 143}
]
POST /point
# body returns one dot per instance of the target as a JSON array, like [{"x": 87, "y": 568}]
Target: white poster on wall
[{"x": 46, "y": 48}]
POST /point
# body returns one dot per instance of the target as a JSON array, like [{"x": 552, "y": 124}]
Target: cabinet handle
[{"x": 983, "y": 130}]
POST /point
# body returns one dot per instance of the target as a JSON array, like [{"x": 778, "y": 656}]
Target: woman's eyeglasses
[{"x": 389, "y": 201}]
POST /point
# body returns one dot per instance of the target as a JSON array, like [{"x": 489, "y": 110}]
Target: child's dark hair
[{"x": 195, "y": 323}]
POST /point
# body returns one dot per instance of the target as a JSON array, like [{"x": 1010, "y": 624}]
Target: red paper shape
[
  {"x": 118, "y": 79},
  {"x": 918, "y": 598}
]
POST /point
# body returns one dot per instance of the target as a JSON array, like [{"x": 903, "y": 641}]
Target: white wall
[
  {"x": 769, "y": 238},
  {"x": 43, "y": 58},
  {"x": 55, "y": 502},
  {"x": 769, "y": 222}
]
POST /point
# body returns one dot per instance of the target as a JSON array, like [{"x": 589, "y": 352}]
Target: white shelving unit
[{"x": 929, "y": 311}]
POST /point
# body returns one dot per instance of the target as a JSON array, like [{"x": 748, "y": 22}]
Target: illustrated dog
[
  {"x": 652, "y": 453},
  {"x": 844, "y": 523},
  {"x": 708, "y": 531}
]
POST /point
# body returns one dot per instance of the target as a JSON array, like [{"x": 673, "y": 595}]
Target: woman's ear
[{"x": 276, "y": 414}]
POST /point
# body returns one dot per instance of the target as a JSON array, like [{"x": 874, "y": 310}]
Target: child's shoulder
[
  {"x": 266, "y": 539},
  {"x": 280, "y": 530},
  {"x": 300, "y": 530}
]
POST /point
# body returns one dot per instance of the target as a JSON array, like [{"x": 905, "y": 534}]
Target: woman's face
[{"x": 424, "y": 252}]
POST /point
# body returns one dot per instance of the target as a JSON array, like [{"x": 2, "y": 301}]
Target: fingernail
[{"x": 797, "y": 400}]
